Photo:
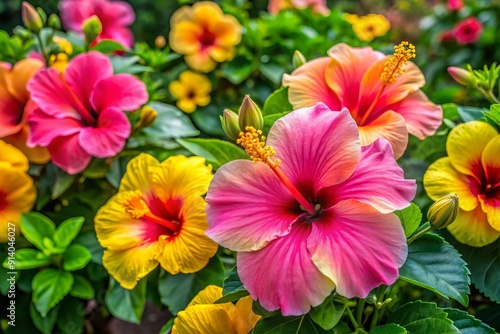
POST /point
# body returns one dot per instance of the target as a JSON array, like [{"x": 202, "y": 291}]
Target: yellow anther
[
  {"x": 395, "y": 64},
  {"x": 255, "y": 146},
  {"x": 134, "y": 204}
]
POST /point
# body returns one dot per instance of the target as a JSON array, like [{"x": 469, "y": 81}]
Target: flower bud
[
  {"x": 298, "y": 59},
  {"x": 92, "y": 28},
  {"x": 444, "y": 211},
  {"x": 148, "y": 116},
  {"x": 250, "y": 114},
  {"x": 229, "y": 121},
  {"x": 54, "y": 22},
  {"x": 462, "y": 76},
  {"x": 160, "y": 42},
  {"x": 31, "y": 18}
]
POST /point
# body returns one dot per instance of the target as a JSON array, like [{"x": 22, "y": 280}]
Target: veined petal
[
  {"x": 13, "y": 157},
  {"x": 207, "y": 296},
  {"x": 490, "y": 159},
  {"x": 136, "y": 176},
  {"x": 377, "y": 180},
  {"x": 245, "y": 318},
  {"x": 441, "y": 179},
  {"x": 67, "y": 154},
  {"x": 307, "y": 85},
  {"x": 204, "y": 319},
  {"x": 19, "y": 189},
  {"x": 465, "y": 145},
  {"x": 311, "y": 156},
  {"x": 357, "y": 247},
  {"x": 128, "y": 266},
  {"x": 491, "y": 206},
  {"x": 190, "y": 249},
  {"x": 472, "y": 228},
  {"x": 248, "y": 206},
  {"x": 390, "y": 126},
  {"x": 282, "y": 274},
  {"x": 122, "y": 91},
  {"x": 45, "y": 128}
]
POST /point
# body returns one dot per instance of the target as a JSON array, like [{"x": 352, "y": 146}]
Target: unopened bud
[
  {"x": 31, "y": 18},
  {"x": 250, "y": 114},
  {"x": 92, "y": 28},
  {"x": 462, "y": 76},
  {"x": 54, "y": 22},
  {"x": 160, "y": 42},
  {"x": 148, "y": 116},
  {"x": 229, "y": 121},
  {"x": 444, "y": 211},
  {"x": 42, "y": 14},
  {"x": 298, "y": 59}
]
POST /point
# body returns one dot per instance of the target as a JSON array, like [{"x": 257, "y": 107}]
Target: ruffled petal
[
  {"x": 37, "y": 155},
  {"x": 45, "y": 128},
  {"x": 317, "y": 147},
  {"x": 441, "y": 179},
  {"x": 200, "y": 61},
  {"x": 390, "y": 126},
  {"x": 378, "y": 180},
  {"x": 491, "y": 206},
  {"x": 13, "y": 157},
  {"x": 204, "y": 319},
  {"x": 122, "y": 91},
  {"x": 472, "y": 228},
  {"x": 21, "y": 73},
  {"x": 12, "y": 114},
  {"x": 67, "y": 154},
  {"x": 465, "y": 146},
  {"x": 184, "y": 37},
  {"x": 19, "y": 189},
  {"x": 357, "y": 247},
  {"x": 136, "y": 176},
  {"x": 207, "y": 296},
  {"x": 190, "y": 249},
  {"x": 121, "y": 13},
  {"x": 282, "y": 274},
  {"x": 109, "y": 136},
  {"x": 248, "y": 206},
  {"x": 246, "y": 319},
  {"x": 307, "y": 86}
]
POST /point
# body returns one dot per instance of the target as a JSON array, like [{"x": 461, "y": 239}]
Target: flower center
[
  {"x": 3, "y": 200},
  {"x": 135, "y": 206},
  {"x": 207, "y": 38},
  {"x": 253, "y": 142}
]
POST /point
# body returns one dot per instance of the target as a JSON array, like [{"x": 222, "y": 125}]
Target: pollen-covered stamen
[
  {"x": 135, "y": 206},
  {"x": 255, "y": 146}
]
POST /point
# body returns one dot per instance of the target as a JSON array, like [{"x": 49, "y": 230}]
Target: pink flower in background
[
  {"x": 319, "y": 220},
  {"x": 79, "y": 114},
  {"x": 115, "y": 16},
  {"x": 468, "y": 30},
  {"x": 454, "y": 5},
  {"x": 446, "y": 36},
  {"x": 318, "y": 6}
]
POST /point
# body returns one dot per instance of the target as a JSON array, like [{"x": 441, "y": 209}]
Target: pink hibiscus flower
[
  {"x": 321, "y": 220},
  {"x": 115, "y": 17},
  {"x": 79, "y": 114},
  {"x": 468, "y": 31}
]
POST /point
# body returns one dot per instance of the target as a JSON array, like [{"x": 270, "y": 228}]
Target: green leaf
[
  {"x": 278, "y": 324},
  {"x": 388, "y": 329},
  {"x": 277, "y": 102},
  {"x": 49, "y": 287},
  {"x": 434, "y": 264},
  {"x": 71, "y": 315},
  {"x": 167, "y": 327},
  {"x": 76, "y": 257},
  {"x": 232, "y": 288},
  {"x": 329, "y": 313},
  {"x": 450, "y": 111},
  {"x": 28, "y": 258},
  {"x": 125, "y": 304},
  {"x": 468, "y": 114},
  {"x": 170, "y": 123},
  {"x": 273, "y": 72},
  {"x": 270, "y": 119},
  {"x": 88, "y": 239},
  {"x": 493, "y": 114},
  {"x": 466, "y": 323},
  {"x": 127, "y": 65},
  {"x": 82, "y": 288},
  {"x": 217, "y": 152},
  {"x": 423, "y": 317},
  {"x": 67, "y": 231},
  {"x": 108, "y": 46},
  {"x": 36, "y": 227},
  {"x": 258, "y": 309},
  {"x": 410, "y": 218},
  {"x": 44, "y": 324},
  {"x": 62, "y": 181},
  {"x": 237, "y": 70}
]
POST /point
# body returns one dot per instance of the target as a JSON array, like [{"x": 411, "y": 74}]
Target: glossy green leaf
[
  {"x": 277, "y": 102},
  {"x": 27, "y": 258},
  {"x": 82, "y": 288},
  {"x": 410, "y": 217},
  {"x": 217, "y": 152},
  {"x": 270, "y": 119},
  {"x": 44, "y": 324},
  {"x": 388, "y": 329},
  {"x": 76, "y": 257},
  {"x": 237, "y": 70},
  {"x": 36, "y": 227},
  {"x": 67, "y": 231},
  {"x": 329, "y": 313},
  {"x": 49, "y": 287},
  {"x": 466, "y": 323},
  {"x": 125, "y": 304},
  {"x": 468, "y": 114},
  {"x": 278, "y": 324},
  {"x": 170, "y": 123},
  {"x": 434, "y": 264},
  {"x": 108, "y": 46},
  {"x": 232, "y": 288}
]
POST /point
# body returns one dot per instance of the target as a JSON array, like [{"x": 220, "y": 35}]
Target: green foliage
[
  {"x": 277, "y": 103},
  {"x": 217, "y": 152},
  {"x": 232, "y": 288},
  {"x": 49, "y": 287},
  {"x": 126, "y": 304},
  {"x": 410, "y": 217},
  {"x": 329, "y": 313}
]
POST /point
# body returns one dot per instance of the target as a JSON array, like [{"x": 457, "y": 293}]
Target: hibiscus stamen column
[
  {"x": 254, "y": 144},
  {"x": 394, "y": 67}
]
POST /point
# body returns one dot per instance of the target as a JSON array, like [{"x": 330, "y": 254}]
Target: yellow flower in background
[
  {"x": 202, "y": 316},
  {"x": 60, "y": 61},
  {"x": 17, "y": 190},
  {"x": 191, "y": 90},
  {"x": 369, "y": 26},
  {"x": 472, "y": 171},
  {"x": 204, "y": 35},
  {"x": 157, "y": 217}
]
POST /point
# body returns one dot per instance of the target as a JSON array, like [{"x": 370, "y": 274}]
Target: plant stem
[
  {"x": 375, "y": 318},
  {"x": 420, "y": 232},
  {"x": 357, "y": 328},
  {"x": 359, "y": 310},
  {"x": 42, "y": 49}
]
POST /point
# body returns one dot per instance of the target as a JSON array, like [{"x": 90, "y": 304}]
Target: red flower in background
[
  {"x": 454, "y": 5},
  {"x": 468, "y": 30},
  {"x": 446, "y": 36}
]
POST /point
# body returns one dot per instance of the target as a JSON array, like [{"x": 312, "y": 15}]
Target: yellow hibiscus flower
[
  {"x": 369, "y": 26},
  {"x": 191, "y": 90}
]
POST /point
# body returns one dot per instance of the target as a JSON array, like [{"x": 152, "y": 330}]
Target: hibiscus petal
[
  {"x": 84, "y": 72},
  {"x": 307, "y": 85},
  {"x": 121, "y": 35},
  {"x": 472, "y": 228},
  {"x": 74, "y": 12},
  {"x": 37, "y": 155},
  {"x": 200, "y": 61},
  {"x": 123, "y": 91},
  {"x": 19, "y": 189},
  {"x": 121, "y": 13},
  {"x": 441, "y": 179},
  {"x": 378, "y": 180},
  {"x": 109, "y": 136},
  {"x": 357, "y": 247},
  {"x": 248, "y": 206},
  {"x": 67, "y": 154},
  {"x": 136, "y": 176},
  {"x": 317, "y": 147},
  {"x": 390, "y": 126},
  {"x": 204, "y": 319},
  {"x": 45, "y": 128},
  {"x": 282, "y": 274},
  {"x": 13, "y": 157},
  {"x": 465, "y": 146}
]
